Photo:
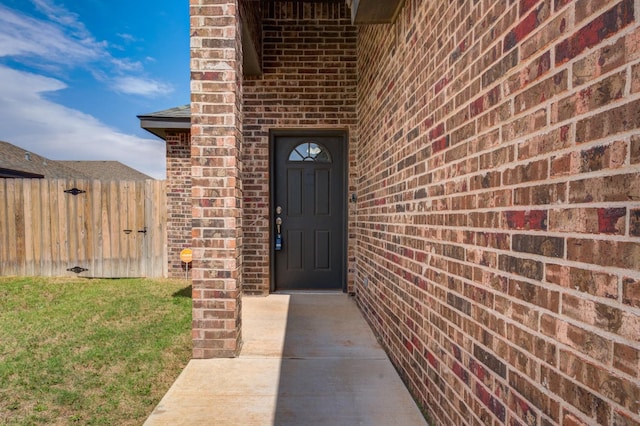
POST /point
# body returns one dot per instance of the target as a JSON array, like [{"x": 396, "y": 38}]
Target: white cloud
[
  {"x": 32, "y": 122},
  {"x": 24, "y": 36},
  {"x": 61, "y": 15},
  {"x": 62, "y": 41},
  {"x": 127, "y": 37},
  {"x": 141, "y": 86},
  {"x": 127, "y": 65}
]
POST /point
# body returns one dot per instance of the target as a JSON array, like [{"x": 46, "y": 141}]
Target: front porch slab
[{"x": 307, "y": 359}]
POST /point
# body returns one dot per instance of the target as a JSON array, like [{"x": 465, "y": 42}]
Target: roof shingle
[{"x": 105, "y": 170}]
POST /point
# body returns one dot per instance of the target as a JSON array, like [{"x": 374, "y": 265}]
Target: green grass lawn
[{"x": 79, "y": 351}]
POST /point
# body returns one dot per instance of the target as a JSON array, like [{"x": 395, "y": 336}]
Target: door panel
[
  {"x": 323, "y": 192},
  {"x": 295, "y": 249},
  {"x": 309, "y": 188},
  {"x": 323, "y": 250},
  {"x": 294, "y": 192}
]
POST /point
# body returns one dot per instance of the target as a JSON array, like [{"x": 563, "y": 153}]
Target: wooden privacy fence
[{"x": 91, "y": 228}]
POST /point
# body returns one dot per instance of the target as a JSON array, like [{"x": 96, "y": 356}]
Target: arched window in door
[{"x": 310, "y": 151}]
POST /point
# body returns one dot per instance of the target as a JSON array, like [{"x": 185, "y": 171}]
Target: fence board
[
  {"x": 141, "y": 238},
  {"x": 13, "y": 215},
  {"x": 44, "y": 231},
  {"x": 19, "y": 221},
  {"x": 54, "y": 227},
  {"x": 157, "y": 213},
  {"x": 4, "y": 259},
  {"x": 35, "y": 242},
  {"x": 118, "y": 225},
  {"x": 28, "y": 230},
  {"x": 134, "y": 240},
  {"x": 87, "y": 237},
  {"x": 105, "y": 229},
  {"x": 61, "y": 237},
  {"x": 142, "y": 225},
  {"x": 127, "y": 223},
  {"x": 92, "y": 223},
  {"x": 46, "y": 262}
]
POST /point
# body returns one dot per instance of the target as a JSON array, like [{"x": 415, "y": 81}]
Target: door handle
[{"x": 278, "y": 240}]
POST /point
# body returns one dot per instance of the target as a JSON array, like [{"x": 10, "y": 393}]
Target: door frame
[{"x": 273, "y": 135}]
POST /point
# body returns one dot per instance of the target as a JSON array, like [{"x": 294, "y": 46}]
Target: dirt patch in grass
[{"x": 89, "y": 351}]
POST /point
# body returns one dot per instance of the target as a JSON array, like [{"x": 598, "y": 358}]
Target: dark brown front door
[{"x": 309, "y": 211}]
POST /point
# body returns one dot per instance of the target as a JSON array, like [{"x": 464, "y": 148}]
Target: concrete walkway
[{"x": 307, "y": 359}]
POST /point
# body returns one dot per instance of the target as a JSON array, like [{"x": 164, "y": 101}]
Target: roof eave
[
  {"x": 160, "y": 126},
  {"x": 12, "y": 173}
]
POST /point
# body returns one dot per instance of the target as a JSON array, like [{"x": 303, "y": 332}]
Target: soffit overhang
[{"x": 365, "y": 12}]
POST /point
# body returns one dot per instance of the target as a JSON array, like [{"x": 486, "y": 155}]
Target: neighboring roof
[
  {"x": 16, "y": 162},
  {"x": 178, "y": 118},
  {"x": 105, "y": 170}
]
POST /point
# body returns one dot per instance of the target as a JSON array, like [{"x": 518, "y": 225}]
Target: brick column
[{"x": 216, "y": 99}]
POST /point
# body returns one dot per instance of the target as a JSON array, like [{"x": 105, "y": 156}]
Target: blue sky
[{"x": 75, "y": 73}]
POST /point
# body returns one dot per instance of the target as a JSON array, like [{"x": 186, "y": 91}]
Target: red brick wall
[
  {"x": 498, "y": 231},
  {"x": 178, "y": 200},
  {"x": 309, "y": 82}
]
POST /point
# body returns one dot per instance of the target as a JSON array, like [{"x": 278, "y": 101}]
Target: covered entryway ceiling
[
  {"x": 362, "y": 12},
  {"x": 369, "y": 11}
]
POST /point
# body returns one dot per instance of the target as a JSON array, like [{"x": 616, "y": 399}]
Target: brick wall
[
  {"x": 178, "y": 200},
  {"x": 498, "y": 225},
  {"x": 309, "y": 82}
]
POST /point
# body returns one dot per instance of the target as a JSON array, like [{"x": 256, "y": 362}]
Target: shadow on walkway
[{"x": 307, "y": 359}]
